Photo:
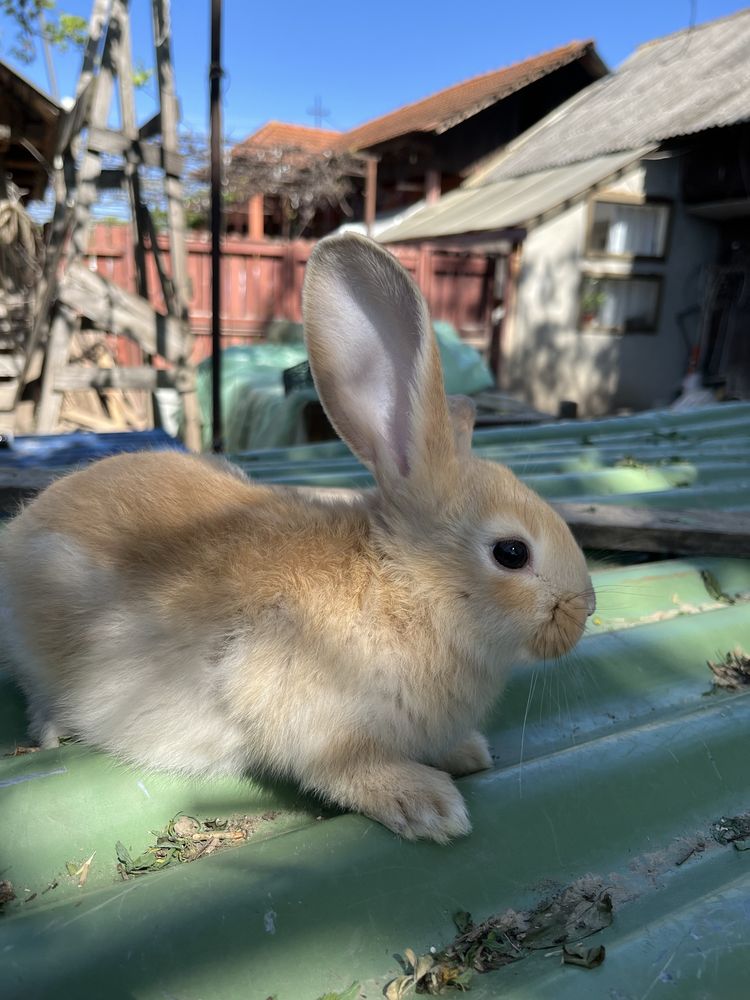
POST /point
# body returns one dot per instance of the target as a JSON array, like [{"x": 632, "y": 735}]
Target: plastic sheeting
[{"x": 258, "y": 415}]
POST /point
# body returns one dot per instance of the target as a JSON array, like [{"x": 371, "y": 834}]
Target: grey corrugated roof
[
  {"x": 507, "y": 203},
  {"x": 684, "y": 83}
]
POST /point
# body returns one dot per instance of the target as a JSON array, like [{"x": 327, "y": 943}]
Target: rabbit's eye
[{"x": 511, "y": 553}]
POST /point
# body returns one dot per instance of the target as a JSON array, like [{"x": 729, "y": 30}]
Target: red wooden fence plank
[{"x": 263, "y": 281}]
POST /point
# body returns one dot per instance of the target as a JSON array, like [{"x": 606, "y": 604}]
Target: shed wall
[{"x": 546, "y": 358}]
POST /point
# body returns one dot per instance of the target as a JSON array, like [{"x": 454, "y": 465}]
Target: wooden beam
[
  {"x": 107, "y": 140},
  {"x": 255, "y": 220},
  {"x": 432, "y": 187},
  {"x": 169, "y": 111},
  {"x": 675, "y": 532},
  {"x": 64, "y": 325},
  {"x": 75, "y": 378},
  {"x": 73, "y": 121},
  {"x": 371, "y": 193},
  {"x": 122, "y": 58},
  {"x": 113, "y": 310}
]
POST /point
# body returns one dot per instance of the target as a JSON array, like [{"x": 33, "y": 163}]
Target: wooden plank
[
  {"x": 11, "y": 364},
  {"x": 107, "y": 140},
  {"x": 122, "y": 58},
  {"x": 169, "y": 110},
  {"x": 73, "y": 121},
  {"x": 64, "y": 324},
  {"x": 676, "y": 532},
  {"x": 371, "y": 193},
  {"x": 113, "y": 310},
  {"x": 167, "y": 288},
  {"x": 75, "y": 378}
]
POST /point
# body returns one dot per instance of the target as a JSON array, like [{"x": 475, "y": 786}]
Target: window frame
[
  {"x": 633, "y": 200},
  {"x": 616, "y": 330}
]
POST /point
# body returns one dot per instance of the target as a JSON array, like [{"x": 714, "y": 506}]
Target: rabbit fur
[{"x": 163, "y": 607}]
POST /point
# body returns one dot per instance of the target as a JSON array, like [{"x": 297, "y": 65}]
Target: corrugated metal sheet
[
  {"x": 611, "y": 768},
  {"x": 508, "y": 203},
  {"x": 684, "y": 83}
]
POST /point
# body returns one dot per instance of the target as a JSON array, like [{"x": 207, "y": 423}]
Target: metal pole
[{"x": 214, "y": 75}]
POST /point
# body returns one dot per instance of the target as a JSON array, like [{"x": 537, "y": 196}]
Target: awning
[{"x": 507, "y": 204}]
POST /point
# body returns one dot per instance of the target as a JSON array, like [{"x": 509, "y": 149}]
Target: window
[
  {"x": 623, "y": 229},
  {"x": 628, "y": 304}
]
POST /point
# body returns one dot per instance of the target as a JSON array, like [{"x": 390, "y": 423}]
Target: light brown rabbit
[{"x": 166, "y": 609}]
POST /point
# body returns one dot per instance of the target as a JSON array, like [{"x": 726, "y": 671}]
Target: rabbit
[{"x": 164, "y": 608}]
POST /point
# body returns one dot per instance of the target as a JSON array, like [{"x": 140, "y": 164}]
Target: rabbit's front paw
[
  {"x": 418, "y": 802},
  {"x": 468, "y": 757}
]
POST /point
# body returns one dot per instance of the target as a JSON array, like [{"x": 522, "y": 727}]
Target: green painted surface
[{"x": 611, "y": 764}]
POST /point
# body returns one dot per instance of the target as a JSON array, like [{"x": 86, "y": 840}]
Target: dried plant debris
[
  {"x": 712, "y": 585},
  {"x": 580, "y": 954},
  {"x": 20, "y": 751},
  {"x": 733, "y": 830},
  {"x": 689, "y": 850},
  {"x": 352, "y": 993},
  {"x": 430, "y": 975},
  {"x": 564, "y": 919},
  {"x": 79, "y": 871},
  {"x": 186, "y": 838},
  {"x": 732, "y": 673}
]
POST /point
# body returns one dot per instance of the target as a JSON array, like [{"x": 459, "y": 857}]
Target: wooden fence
[{"x": 262, "y": 280}]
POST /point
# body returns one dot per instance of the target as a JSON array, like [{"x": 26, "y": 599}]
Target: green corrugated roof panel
[{"x": 610, "y": 767}]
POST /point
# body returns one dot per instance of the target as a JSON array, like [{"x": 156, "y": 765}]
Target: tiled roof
[
  {"x": 441, "y": 111},
  {"x": 435, "y": 113},
  {"x": 280, "y": 134}
]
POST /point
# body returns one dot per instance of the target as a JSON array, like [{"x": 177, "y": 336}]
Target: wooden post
[
  {"x": 175, "y": 213},
  {"x": 371, "y": 193},
  {"x": 172, "y": 184},
  {"x": 432, "y": 189},
  {"x": 63, "y": 326},
  {"x": 123, "y": 61},
  {"x": 502, "y": 332},
  {"x": 255, "y": 221}
]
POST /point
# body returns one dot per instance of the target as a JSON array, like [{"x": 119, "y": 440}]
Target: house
[
  {"x": 629, "y": 206},
  {"x": 428, "y": 147},
  {"x": 273, "y": 146}
]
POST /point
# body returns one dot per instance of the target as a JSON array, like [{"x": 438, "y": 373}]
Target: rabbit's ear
[{"x": 375, "y": 363}]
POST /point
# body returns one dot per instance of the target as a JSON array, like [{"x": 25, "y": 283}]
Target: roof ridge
[{"x": 306, "y": 128}]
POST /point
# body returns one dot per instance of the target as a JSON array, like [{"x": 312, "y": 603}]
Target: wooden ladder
[{"x": 70, "y": 294}]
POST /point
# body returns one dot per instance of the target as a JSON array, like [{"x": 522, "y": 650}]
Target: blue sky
[{"x": 365, "y": 59}]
